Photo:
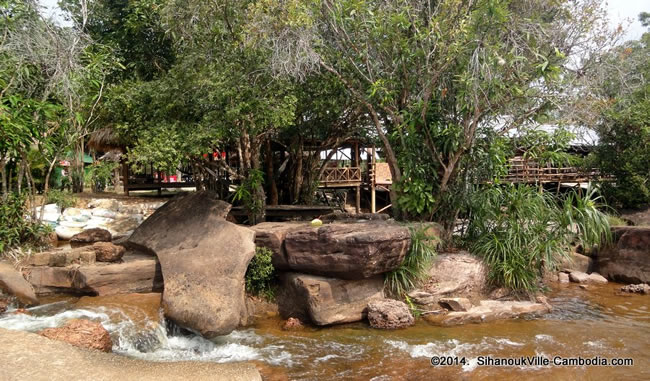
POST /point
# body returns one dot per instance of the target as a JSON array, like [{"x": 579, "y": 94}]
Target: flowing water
[{"x": 599, "y": 322}]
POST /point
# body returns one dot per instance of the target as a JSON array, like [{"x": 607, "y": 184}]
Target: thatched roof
[{"x": 106, "y": 139}]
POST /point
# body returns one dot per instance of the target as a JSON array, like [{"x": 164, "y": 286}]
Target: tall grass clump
[
  {"x": 414, "y": 267},
  {"x": 521, "y": 231}
]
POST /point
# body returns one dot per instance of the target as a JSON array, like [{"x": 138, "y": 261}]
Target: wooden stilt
[{"x": 373, "y": 200}]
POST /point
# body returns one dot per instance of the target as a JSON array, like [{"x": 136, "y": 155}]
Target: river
[{"x": 598, "y": 322}]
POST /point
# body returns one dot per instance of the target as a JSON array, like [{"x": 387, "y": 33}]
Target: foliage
[
  {"x": 624, "y": 153},
  {"x": 15, "y": 229},
  {"x": 436, "y": 81},
  {"x": 414, "y": 267},
  {"x": 520, "y": 231},
  {"x": 100, "y": 174},
  {"x": 624, "y": 125},
  {"x": 62, "y": 198},
  {"x": 246, "y": 193},
  {"x": 260, "y": 275},
  {"x": 616, "y": 221}
]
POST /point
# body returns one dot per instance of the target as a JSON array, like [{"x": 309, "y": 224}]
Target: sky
[{"x": 620, "y": 11}]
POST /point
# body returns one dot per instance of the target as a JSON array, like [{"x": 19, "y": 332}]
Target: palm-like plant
[{"x": 520, "y": 231}]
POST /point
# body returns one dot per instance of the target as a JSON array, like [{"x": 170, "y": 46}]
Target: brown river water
[{"x": 596, "y": 323}]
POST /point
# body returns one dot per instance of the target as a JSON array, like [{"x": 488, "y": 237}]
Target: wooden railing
[
  {"x": 342, "y": 175},
  {"x": 527, "y": 171}
]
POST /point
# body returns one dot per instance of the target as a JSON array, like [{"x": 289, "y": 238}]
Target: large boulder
[
  {"x": 12, "y": 282},
  {"x": 272, "y": 235},
  {"x": 577, "y": 262},
  {"x": 453, "y": 275},
  {"x": 347, "y": 251},
  {"x": 389, "y": 314},
  {"x": 203, "y": 259},
  {"x": 81, "y": 333},
  {"x": 90, "y": 236},
  {"x": 327, "y": 300},
  {"x": 627, "y": 261}
]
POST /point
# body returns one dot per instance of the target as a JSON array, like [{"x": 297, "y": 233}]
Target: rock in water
[
  {"x": 389, "y": 314},
  {"x": 629, "y": 260},
  {"x": 456, "y": 304},
  {"x": 90, "y": 236},
  {"x": 347, "y": 251},
  {"x": 641, "y": 288},
  {"x": 13, "y": 283},
  {"x": 81, "y": 333},
  {"x": 203, "y": 259},
  {"x": 328, "y": 300},
  {"x": 108, "y": 252}
]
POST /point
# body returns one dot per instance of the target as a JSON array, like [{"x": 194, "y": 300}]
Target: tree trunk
[
  {"x": 3, "y": 174},
  {"x": 298, "y": 175},
  {"x": 270, "y": 176}
]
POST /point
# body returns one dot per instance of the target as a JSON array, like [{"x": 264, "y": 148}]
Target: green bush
[
  {"x": 62, "y": 198},
  {"x": 520, "y": 231},
  {"x": 15, "y": 229},
  {"x": 260, "y": 275},
  {"x": 415, "y": 265},
  {"x": 100, "y": 175}
]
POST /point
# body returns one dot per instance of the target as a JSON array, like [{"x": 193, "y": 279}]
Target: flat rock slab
[
  {"x": 203, "y": 259},
  {"x": 328, "y": 300},
  {"x": 627, "y": 261},
  {"x": 347, "y": 251},
  {"x": 138, "y": 273},
  {"x": 13, "y": 282},
  {"x": 272, "y": 235},
  {"x": 489, "y": 310},
  {"x": 456, "y": 304},
  {"x": 28, "y": 356}
]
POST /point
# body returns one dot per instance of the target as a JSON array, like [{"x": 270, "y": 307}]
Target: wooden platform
[{"x": 289, "y": 211}]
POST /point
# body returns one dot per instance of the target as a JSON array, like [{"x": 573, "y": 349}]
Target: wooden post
[
  {"x": 357, "y": 156},
  {"x": 373, "y": 205},
  {"x": 125, "y": 180}
]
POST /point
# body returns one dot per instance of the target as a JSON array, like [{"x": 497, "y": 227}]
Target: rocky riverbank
[{"x": 27, "y": 356}]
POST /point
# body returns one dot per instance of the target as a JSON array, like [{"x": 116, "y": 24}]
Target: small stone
[
  {"x": 108, "y": 252},
  {"x": 499, "y": 293},
  {"x": 90, "y": 236},
  {"x": 563, "y": 277},
  {"x": 4, "y": 304},
  {"x": 292, "y": 324},
  {"x": 578, "y": 277},
  {"x": 389, "y": 314},
  {"x": 640, "y": 288},
  {"x": 81, "y": 333},
  {"x": 584, "y": 287},
  {"x": 596, "y": 278},
  {"x": 456, "y": 304}
]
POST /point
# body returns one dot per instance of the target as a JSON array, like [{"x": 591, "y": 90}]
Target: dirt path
[{"x": 28, "y": 356}]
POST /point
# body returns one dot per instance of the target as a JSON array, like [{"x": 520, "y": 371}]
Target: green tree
[
  {"x": 437, "y": 77},
  {"x": 624, "y": 130}
]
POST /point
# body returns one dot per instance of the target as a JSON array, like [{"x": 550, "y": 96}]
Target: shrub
[
  {"x": 61, "y": 198},
  {"x": 100, "y": 175},
  {"x": 15, "y": 229},
  {"x": 520, "y": 231},
  {"x": 260, "y": 275},
  {"x": 414, "y": 267}
]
